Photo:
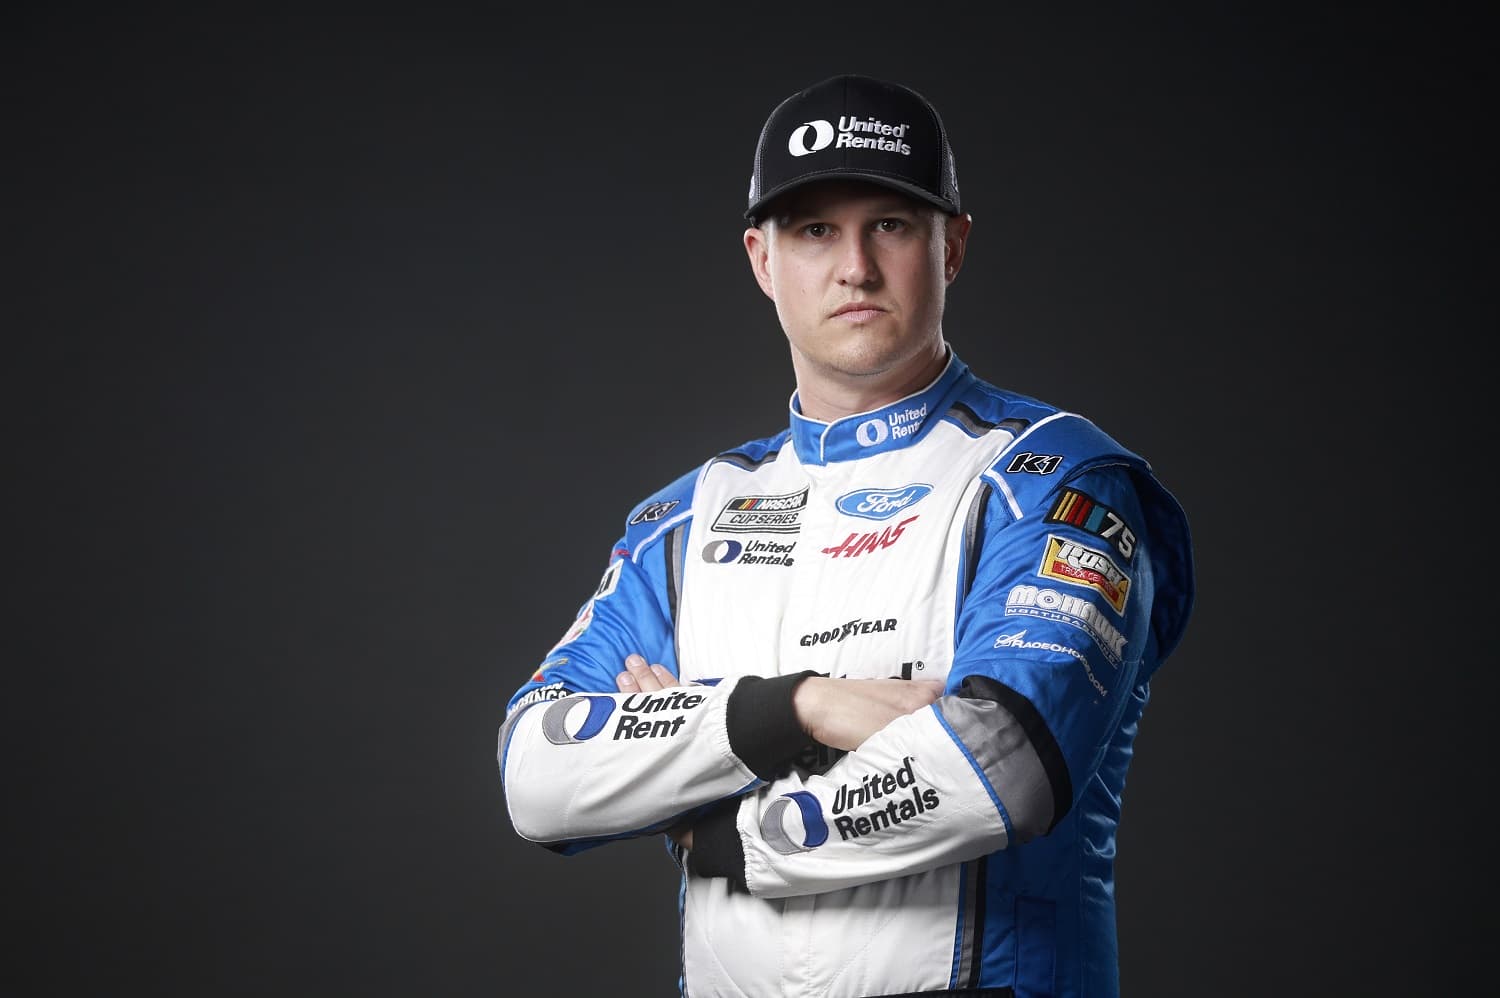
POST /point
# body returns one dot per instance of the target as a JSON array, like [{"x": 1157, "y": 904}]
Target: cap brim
[{"x": 895, "y": 183}]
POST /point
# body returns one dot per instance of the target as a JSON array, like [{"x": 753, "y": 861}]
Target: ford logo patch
[{"x": 881, "y": 504}]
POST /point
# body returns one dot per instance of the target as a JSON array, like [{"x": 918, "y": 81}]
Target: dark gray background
[{"x": 339, "y": 348}]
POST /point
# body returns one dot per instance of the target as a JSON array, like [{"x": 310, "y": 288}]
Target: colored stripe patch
[{"x": 1081, "y": 510}]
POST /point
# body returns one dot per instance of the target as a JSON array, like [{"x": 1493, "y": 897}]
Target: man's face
[{"x": 858, "y": 273}]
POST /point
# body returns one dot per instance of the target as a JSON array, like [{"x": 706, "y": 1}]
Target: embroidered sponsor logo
[
  {"x": 878, "y": 802},
  {"x": 1077, "y": 611},
  {"x": 763, "y": 514},
  {"x": 1034, "y": 464},
  {"x": 565, "y": 724},
  {"x": 810, "y": 136},
  {"x": 890, "y": 799},
  {"x": 552, "y": 691},
  {"x": 722, "y": 552},
  {"x": 871, "y": 432},
  {"x": 809, "y": 829},
  {"x": 863, "y": 542},
  {"x": 610, "y": 580},
  {"x": 653, "y": 511},
  {"x": 578, "y": 718},
  {"x": 1080, "y": 565},
  {"x": 550, "y": 663},
  {"x": 856, "y": 626},
  {"x": 881, "y": 504},
  {"x": 853, "y": 132},
  {"x": 732, "y": 552},
  {"x": 1081, "y": 510},
  {"x": 898, "y": 424},
  {"x": 1019, "y": 641}
]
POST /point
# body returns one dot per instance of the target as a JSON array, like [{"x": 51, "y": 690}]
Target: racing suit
[{"x": 964, "y": 533}]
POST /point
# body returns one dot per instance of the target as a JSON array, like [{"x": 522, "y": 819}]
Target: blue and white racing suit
[{"x": 964, "y": 533}]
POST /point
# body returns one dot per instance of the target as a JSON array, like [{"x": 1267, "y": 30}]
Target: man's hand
[
  {"x": 842, "y": 713},
  {"x": 639, "y": 677},
  {"x": 642, "y": 677}
]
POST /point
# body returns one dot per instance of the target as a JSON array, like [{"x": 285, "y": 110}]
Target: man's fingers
[
  {"x": 642, "y": 677},
  {"x": 842, "y": 713},
  {"x": 637, "y": 676},
  {"x": 905, "y": 695}
]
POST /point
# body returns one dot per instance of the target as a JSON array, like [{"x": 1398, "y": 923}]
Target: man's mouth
[{"x": 859, "y": 311}]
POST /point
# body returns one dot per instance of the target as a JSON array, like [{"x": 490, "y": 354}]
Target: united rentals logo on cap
[{"x": 855, "y": 128}]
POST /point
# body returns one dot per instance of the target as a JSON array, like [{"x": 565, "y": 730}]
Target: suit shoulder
[
  {"x": 673, "y": 502},
  {"x": 981, "y": 408}
]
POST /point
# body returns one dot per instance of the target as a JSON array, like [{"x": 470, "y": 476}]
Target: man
[{"x": 878, "y": 675}]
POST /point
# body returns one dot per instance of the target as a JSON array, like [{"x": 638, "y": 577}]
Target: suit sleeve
[
  {"x": 582, "y": 764},
  {"x": 1050, "y": 636}
]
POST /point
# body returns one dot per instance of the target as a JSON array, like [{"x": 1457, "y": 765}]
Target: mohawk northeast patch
[
  {"x": 763, "y": 514},
  {"x": 1081, "y": 510},
  {"x": 1080, "y": 565}
]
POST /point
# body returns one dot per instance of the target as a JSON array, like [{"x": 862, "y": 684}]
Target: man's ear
[
  {"x": 955, "y": 241},
  {"x": 758, "y": 248}
]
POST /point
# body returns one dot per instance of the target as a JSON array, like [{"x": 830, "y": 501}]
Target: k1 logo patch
[
  {"x": 653, "y": 511},
  {"x": 1034, "y": 464}
]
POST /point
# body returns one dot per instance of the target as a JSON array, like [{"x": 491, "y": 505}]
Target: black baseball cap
[{"x": 857, "y": 128}]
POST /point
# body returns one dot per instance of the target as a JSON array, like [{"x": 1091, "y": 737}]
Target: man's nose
[{"x": 856, "y": 264}]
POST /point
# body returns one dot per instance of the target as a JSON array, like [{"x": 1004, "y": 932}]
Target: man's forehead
[{"x": 831, "y": 195}]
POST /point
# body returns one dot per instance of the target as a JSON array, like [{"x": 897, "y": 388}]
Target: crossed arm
[{"x": 838, "y": 713}]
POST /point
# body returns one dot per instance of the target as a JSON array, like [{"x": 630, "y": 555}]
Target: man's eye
[
  {"x": 890, "y": 225},
  {"x": 817, "y": 230}
]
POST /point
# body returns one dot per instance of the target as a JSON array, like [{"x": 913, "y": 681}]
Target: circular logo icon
[
  {"x": 822, "y": 131},
  {"x": 872, "y": 432},
  {"x": 722, "y": 552},
  {"x": 814, "y": 828},
  {"x": 555, "y": 721}
]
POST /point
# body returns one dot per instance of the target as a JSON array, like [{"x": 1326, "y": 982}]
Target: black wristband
[
  {"x": 717, "y": 850},
  {"x": 762, "y": 723}
]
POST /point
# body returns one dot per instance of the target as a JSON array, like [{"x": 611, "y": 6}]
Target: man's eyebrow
[{"x": 884, "y": 206}]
